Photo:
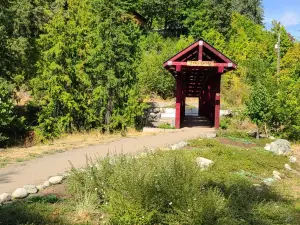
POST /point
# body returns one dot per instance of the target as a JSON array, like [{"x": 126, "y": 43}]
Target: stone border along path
[{"x": 21, "y": 179}]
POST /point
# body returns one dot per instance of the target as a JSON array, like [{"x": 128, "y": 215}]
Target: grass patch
[
  {"x": 169, "y": 188},
  {"x": 242, "y": 136},
  {"x": 31, "y": 212},
  {"x": 166, "y": 126}
]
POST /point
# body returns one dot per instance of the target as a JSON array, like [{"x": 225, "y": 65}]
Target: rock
[
  {"x": 204, "y": 163},
  {"x": 258, "y": 187},
  {"x": 152, "y": 115},
  {"x": 263, "y": 136},
  {"x": 5, "y": 197},
  {"x": 158, "y": 115},
  {"x": 293, "y": 159},
  {"x": 31, "y": 189},
  {"x": 269, "y": 181},
  {"x": 19, "y": 193},
  {"x": 179, "y": 145},
  {"x": 211, "y": 135},
  {"x": 268, "y": 147},
  {"x": 47, "y": 184},
  {"x": 276, "y": 175},
  {"x": 56, "y": 180},
  {"x": 272, "y": 138},
  {"x": 252, "y": 133},
  {"x": 288, "y": 167},
  {"x": 226, "y": 113},
  {"x": 208, "y": 135},
  {"x": 40, "y": 187},
  {"x": 280, "y": 147},
  {"x": 156, "y": 110}
]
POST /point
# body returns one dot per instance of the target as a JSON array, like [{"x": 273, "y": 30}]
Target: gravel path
[{"x": 38, "y": 170}]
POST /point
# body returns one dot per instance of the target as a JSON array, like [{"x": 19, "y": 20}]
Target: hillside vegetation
[
  {"x": 168, "y": 187},
  {"x": 70, "y": 65}
]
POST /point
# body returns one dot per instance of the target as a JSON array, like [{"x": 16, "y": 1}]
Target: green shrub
[
  {"x": 233, "y": 133},
  {"x": 6, "y": 108},
  {"x": 169, "y": 188},
  {"x": 224, "y": 124},
  {"x": 166, "y": 126}
]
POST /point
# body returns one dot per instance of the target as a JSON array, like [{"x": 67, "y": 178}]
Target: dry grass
[{"x": 65, "y": 143}]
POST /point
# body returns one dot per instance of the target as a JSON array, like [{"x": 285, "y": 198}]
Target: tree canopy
[{"x": 88, "y": 64}]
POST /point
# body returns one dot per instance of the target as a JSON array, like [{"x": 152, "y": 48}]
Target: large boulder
[{"x": 279, "y": 147}]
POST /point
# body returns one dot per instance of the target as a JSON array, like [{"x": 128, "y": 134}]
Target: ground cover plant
[{"x": 167, "y": 187}]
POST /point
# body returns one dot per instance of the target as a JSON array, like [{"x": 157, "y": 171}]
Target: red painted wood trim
[
  {"x": 196, "y": 46},
  {"x": 217, "y": 111},
  {"x": 174, "y": 58},
  {"x": 225, "y": 65},
  {"x": 220, "y": 69}
]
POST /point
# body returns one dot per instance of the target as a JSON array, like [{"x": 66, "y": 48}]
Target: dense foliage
[{"x": 88, "y": 64}]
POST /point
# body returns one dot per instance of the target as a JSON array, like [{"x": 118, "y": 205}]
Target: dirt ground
[
  {"x": 290, "y": 184},
  {"x": 38, "y": 170},
  {"x": 65, "y": 143}
]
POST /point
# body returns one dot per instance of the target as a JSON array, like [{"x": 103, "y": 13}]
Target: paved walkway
[{"x": 38, "y": 170}]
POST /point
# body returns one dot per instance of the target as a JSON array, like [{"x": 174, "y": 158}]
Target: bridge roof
[{"x": 200, "y": 54}]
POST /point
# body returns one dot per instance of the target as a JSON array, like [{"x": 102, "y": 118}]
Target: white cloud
[{"x": 290, "y": 19}]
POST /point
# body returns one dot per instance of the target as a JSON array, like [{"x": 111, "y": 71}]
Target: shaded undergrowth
[{"x": 34, "y": 211}]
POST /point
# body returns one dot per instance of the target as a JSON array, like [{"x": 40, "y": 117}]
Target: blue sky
[{"x": 285, "y": 11}]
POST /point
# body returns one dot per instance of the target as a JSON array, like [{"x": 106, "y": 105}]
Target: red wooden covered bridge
[{"x": 198, "y": 70}]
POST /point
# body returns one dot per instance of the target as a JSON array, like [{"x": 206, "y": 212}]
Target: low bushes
[{"x": 169, "y": 188}]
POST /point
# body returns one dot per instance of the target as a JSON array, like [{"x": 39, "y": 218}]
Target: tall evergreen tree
[{"x": 253, "y": 9}]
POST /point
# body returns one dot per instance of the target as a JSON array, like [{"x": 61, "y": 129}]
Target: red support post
[
  {"x": 217, "y": 110},
  {"x": 178, "y": 98},
  {"x": 217, "y": 101}
]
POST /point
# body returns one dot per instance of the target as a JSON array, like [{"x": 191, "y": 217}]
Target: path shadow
[
  {"x": 5, "y": 177},
  {"x": 197, "y": 121},
  {"x": 30, "y": 212}
]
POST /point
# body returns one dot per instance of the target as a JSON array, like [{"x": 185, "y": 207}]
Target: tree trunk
[
  {"x": 109, "y": 110},
  {"x": 266, "y": 130}
]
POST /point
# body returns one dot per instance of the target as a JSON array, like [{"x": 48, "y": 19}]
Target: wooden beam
[
  {"x": 178, "y": 97},
  {"x": 216, "y": 65},
  {"x": 200, "y": 53}
]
